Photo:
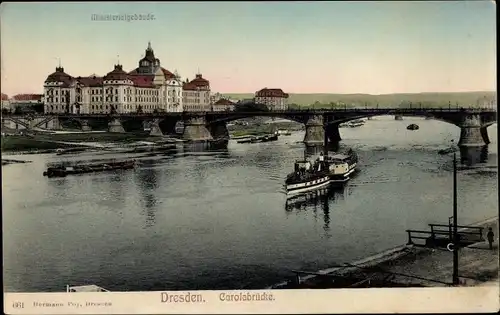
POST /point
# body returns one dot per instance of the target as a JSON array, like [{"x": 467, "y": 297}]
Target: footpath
[
  {"x": 415, "y": 266},
  {"x": 477, "y": 264}
]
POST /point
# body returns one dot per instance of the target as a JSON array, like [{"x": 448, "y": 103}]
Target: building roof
[
  {"x": 139, "y": 79},
  {"x": 145, "y": 81},
  {"x": 168, "y": 74},
  {"x": 116, "y": 74},
  {"x": 196, "y": 83},
  {"x": 150, "y": 55},
  {"x": 223, "y": 101},
  {"x": 92, "y": 81},
  {"x": 27, "y": 97},
  {"x": 5, "y": 97},
  {"x": 59, "y": 76},
  {"x": 265, "y": 92}
]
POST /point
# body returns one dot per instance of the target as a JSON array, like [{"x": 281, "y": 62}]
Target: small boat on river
[
  {"x": 284, "y": 132},
  {"x": 356, "y": 123},
  {"x": 257, "y": 139},
  {"x": 85, "y": 288},
  {"x": 268, "y": 138},
  {"x": 70, "y": 150},
  {"x": 447, "y": 151},
  {"x": 62, "y": 171},
  {"x": 245, "y": 140}
]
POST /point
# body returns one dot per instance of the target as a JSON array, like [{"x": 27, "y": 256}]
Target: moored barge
[
  {"x": 62, "y": 171},
  {"x": 85, "y": 288}
]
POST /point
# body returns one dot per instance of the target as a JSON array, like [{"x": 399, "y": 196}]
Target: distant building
[
  {"x": 223, "y": 105},
  {"x": 196, "y": 94},
  {"x": 215, "y": 97},
  {"x": 5, "y": 101},
  {"x": 218, "y": 96},
  {"x": 25, "y": 101},
  {"x": 148, "y": 88},
  {"x": 274, "y": 99}
]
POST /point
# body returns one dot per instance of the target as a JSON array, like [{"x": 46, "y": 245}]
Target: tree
[
  {"x": 38, "y": 108},
  {"x": 251, "y": 107},
  {"x": 139, "y": 109}
]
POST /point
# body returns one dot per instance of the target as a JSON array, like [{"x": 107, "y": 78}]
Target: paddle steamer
[{"x": 326, "y": 170}]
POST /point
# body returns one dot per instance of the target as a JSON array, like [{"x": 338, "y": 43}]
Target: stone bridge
[{"x": 207, "y": 126}]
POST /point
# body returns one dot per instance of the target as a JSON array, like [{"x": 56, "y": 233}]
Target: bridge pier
[
  {"x": 484, "y": 135},
  {"x": 315, "y": 131},
  {"x": 473, "y": 155},
  {"x": 195, "y": 129},
  {"x": 168, "y": 125},
  {"x": 333, "y": 133},
  {"x": 85, "y": 125},
  {"x": 115, "y": 126},
  {"x": 219, "y": 130},
  {"x": 5, "y": 123},
  {"x": 49, "y": 123},
  {"x": 155, "y": 128},
  {"x": 471, "y": 134}
]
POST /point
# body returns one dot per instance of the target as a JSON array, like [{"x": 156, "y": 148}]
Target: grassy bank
[
  {"x": 98, "y": 137},
  {"x": 50, "y": 141},
  {"x": 384, "y": 100},
  {"x": 22, "y": 143},
  {"x": 261, "y": 129}
]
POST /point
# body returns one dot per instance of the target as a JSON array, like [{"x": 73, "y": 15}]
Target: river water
[{"x": 219, "y": 219}]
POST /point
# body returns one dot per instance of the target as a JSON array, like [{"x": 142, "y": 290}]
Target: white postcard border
[{"x": 381, "y": 300}]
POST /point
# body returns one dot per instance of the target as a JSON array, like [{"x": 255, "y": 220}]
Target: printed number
[{"x": 18, "y": 305}]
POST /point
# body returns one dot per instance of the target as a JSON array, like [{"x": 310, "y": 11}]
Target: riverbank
[
  {"x": 260, "y": 129},
  {"x": 477, "y": 264},
  {"x": 414, "y": 266},
  {"x": 9, "y": 161},
  {"x": 46, "y": 143}
]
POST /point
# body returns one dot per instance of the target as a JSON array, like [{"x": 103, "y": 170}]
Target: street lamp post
[{"x": 455, "y": 220}]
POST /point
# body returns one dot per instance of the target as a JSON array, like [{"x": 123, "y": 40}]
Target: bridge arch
[
  {"x": 348, "y": 119},
  {"x": 235, "y": 116},
  {"x": 17, "y": 122},
  {"x": 217, "y": 126}
]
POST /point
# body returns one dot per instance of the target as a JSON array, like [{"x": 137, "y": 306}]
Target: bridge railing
[{"x": 383, "y": 110}]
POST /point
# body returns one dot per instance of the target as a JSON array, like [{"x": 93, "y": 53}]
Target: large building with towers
[{"x": 148, "y": 88}]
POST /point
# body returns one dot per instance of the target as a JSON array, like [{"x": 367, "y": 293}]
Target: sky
[{"x": 241, "y": 47}]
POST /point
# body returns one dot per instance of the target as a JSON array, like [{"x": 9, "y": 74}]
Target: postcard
[{"x": 249, "y": 157}]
